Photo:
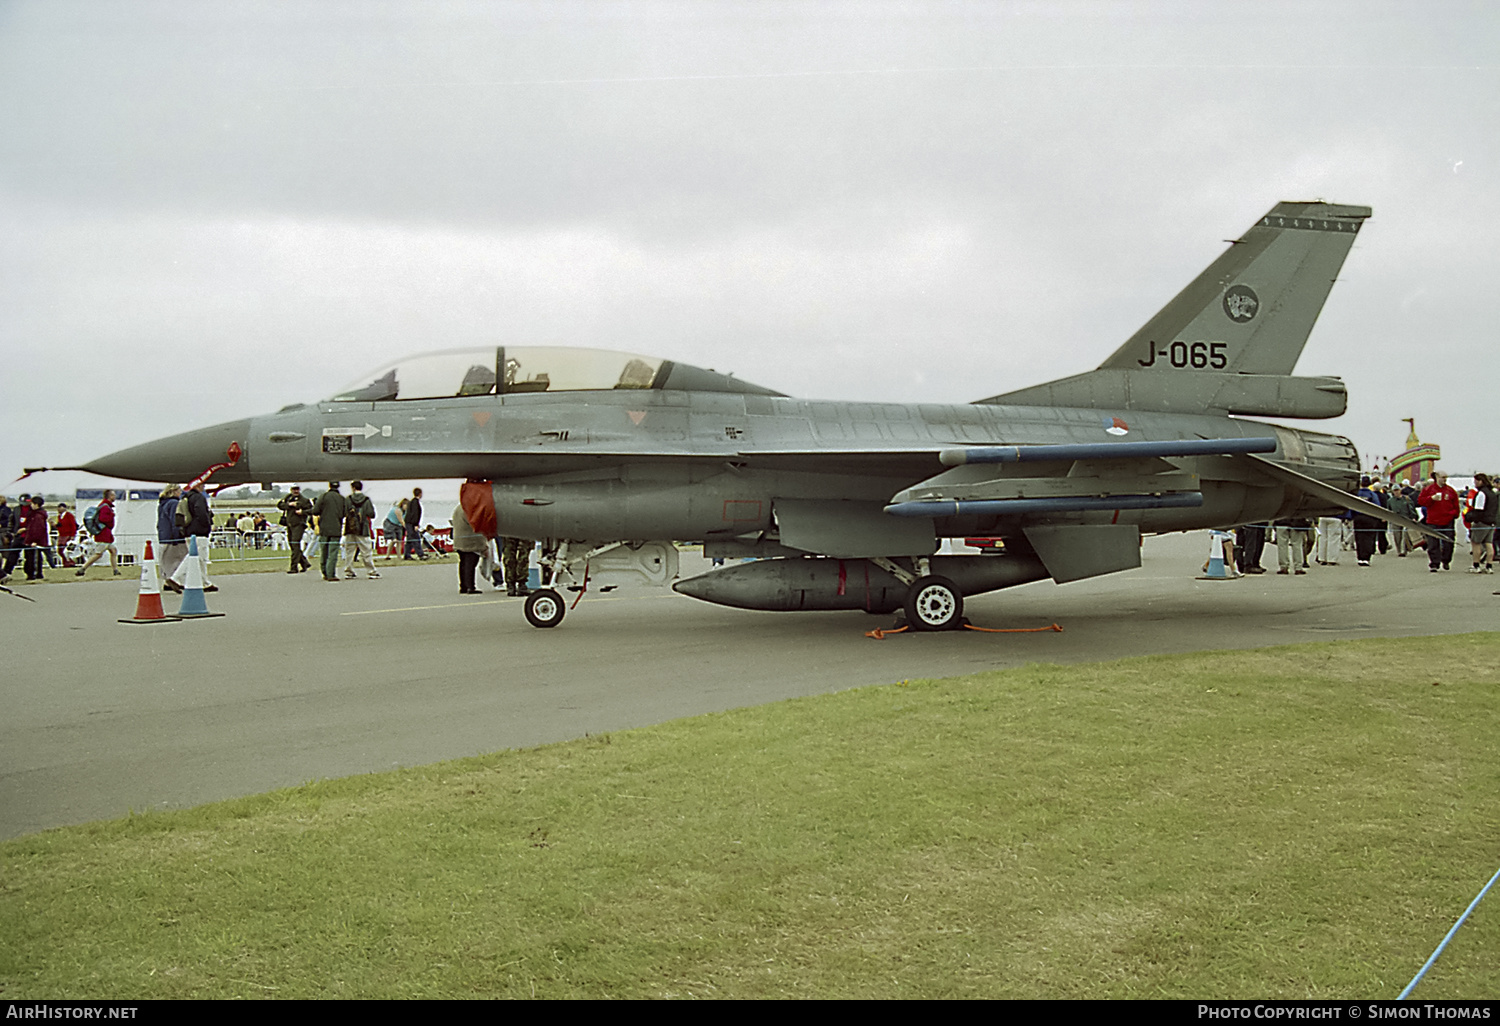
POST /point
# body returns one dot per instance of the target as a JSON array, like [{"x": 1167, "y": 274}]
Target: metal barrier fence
[{"x": 224, "y": 545}]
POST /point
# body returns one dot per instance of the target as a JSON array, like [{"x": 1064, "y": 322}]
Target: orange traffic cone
[{"x": 148, "y": 604}]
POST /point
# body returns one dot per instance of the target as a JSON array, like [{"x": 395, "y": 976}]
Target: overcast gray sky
[{"x": 211, "y": 210}]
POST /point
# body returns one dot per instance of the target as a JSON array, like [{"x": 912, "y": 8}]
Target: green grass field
[{"x": 1293, "y": 822}]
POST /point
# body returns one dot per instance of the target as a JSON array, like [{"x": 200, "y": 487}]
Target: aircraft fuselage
[{"x": 696, "y": 465}]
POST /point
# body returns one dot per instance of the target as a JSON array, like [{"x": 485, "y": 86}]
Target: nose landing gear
[{"x": 545, "y": 608}]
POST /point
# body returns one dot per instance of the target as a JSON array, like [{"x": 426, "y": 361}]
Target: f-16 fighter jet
[{"x": 609, "y": 458}]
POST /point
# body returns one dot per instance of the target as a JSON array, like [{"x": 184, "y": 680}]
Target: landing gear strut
[
  {"x": 934, "y": 603},
  {"x": 577, "y": 565}
]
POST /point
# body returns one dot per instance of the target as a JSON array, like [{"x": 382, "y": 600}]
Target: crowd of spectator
[
  {"x": 31, "y": 535},
  {"x": 1435, "y": 505},
  {"x": 28, "y": 532}
]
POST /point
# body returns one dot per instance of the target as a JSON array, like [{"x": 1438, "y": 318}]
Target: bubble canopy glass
[{"x": 509, "y": 370}]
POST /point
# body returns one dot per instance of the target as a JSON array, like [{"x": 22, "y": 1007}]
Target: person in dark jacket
[
  {"x": 329, "y": 509},
  {"x": 1367, "y": 527},
  {"x": 9, "y": 526},
  {"x": 199, "y": 525},
  {"x": 1402, "y": 502},
  {"x": 359, "y": 543},
  {"x": 34, "y": 536},
  {"x": 414, "y": 526},
  {"x": 1481, "y": 523},
  {"x": 295, "y": 509},
  {"x": 171, "y": 541},
  {"x": 1249, "y": 544}
]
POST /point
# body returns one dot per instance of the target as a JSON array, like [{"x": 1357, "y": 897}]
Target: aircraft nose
[{"x": 181, "y": 457}]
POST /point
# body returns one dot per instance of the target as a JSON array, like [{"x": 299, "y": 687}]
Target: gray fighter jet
[{"x": 609, "y": 458}]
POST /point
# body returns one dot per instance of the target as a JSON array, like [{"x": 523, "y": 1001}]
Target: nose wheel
[
  {"x": 545, "y": 608},
  {"x": 934, "y": 603}
]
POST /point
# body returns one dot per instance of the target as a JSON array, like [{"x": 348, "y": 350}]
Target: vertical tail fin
[{"x": 1251, "y": 311}]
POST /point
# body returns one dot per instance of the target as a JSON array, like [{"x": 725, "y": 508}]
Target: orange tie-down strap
[{"x": 879, "y": 635}]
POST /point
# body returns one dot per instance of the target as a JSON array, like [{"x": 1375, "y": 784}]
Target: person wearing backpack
[
  {"x": 359, "y": 519},
  {"x": 100, "y": 522},
  {"x": 197, "y": 523},
  {"x": 171, "y": 541}
]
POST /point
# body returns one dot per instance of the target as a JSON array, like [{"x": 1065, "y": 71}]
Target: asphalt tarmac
[{"x": 303, "y": 679}]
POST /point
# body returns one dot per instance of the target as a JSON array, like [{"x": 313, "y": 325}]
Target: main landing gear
[{"x": 934, "y": 603}]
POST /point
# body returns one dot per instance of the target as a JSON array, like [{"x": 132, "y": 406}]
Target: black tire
[
  {"x": 545, "y": 608},
  {"x": 934, "y": 603}
]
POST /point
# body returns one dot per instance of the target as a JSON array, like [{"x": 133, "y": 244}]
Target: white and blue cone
[
  {"x": 1217, "y": 569},
  {"x": 193, "y": 603}
]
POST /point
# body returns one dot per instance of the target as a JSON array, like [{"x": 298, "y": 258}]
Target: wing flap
[{"x": 1072, "y": 553}]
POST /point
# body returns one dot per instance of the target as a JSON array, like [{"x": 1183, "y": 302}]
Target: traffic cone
[
  {"x": 193, "y": 604},
  {"x": 148, "y": 604},
  {"x": 1216, "y": 569}
]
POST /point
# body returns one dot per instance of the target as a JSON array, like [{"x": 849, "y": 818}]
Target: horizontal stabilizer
[
  {"x": 1105, "y": 450},
  {"x": 1337, "y": 497}
]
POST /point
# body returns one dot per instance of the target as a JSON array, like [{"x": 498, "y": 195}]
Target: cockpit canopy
[{"x": 506, "y": 370}]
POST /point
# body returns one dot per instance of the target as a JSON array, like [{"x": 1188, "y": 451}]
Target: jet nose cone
[{"x": 181, "y": 457}]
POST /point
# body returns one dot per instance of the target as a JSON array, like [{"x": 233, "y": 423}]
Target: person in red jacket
[
  {"x": 1440, "y": 506},
  {"x": 67, "y": 530},
  {"x": 104, "y": 541}
]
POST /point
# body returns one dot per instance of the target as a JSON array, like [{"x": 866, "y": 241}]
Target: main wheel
[
  {"x": 545, "y": 608},
  {"x": 934, "y": 604}
]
